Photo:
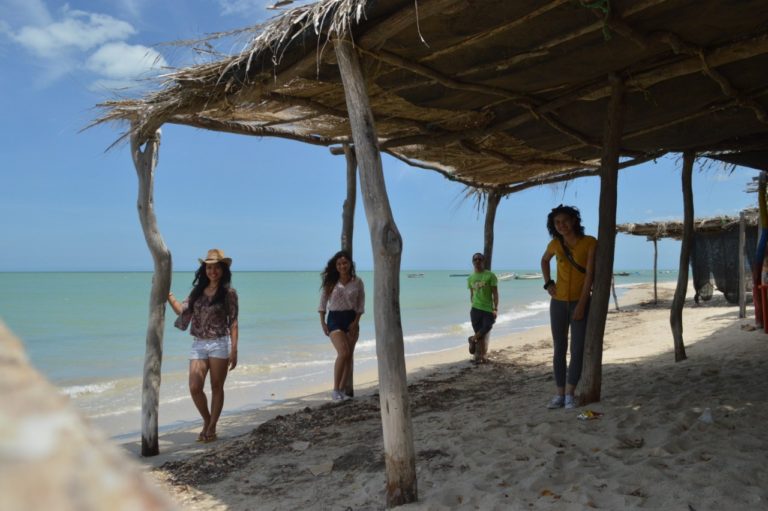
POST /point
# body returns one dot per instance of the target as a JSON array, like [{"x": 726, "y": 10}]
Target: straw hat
[{"x": 216, "y": 255}]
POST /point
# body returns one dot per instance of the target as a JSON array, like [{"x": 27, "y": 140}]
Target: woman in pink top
[{"x": 343, "y": 297}]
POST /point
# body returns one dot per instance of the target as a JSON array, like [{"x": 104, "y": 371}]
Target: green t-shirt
[{"x": 482, "y": 285}]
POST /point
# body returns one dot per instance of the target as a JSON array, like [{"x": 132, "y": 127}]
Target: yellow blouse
[{"x": 569, "y": 279}]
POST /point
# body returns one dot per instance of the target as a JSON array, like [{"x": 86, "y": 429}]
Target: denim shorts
[
  {"x": 203, "y": 349},
  {"x": 340, "y": 320}
]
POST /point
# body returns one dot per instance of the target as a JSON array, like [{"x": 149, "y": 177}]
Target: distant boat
[
  {"x": 505, "y": 276},
  {"x": 459, "y": 275},
  {"x": 621, "y": 274},
  {"x": 415, "y": 275},
  {"x": 528, "y": 276}
]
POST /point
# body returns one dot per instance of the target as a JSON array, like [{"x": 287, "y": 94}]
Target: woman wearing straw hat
[{"x": 212, "y": 309}]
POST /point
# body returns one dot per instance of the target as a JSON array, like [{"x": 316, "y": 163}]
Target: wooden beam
[
  {"x": 481, "y": 37},
  {"x": 347, "y": 235},
  {"x": 387, "y": 247},
  {"x": 145, "y": 162},
  {"x": 742, "y": 266},
  {"x": 676, "y": 312},
  {"x": 598, "y": 308},
  {"x": 492, "y": 200}
]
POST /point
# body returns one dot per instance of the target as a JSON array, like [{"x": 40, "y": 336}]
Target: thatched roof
[
  {"x": 674, "y": 229},
  {"x": 492, "y": 92}
]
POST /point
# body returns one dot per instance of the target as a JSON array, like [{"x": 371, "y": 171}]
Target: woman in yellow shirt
[{"x": 575, "y": 254}]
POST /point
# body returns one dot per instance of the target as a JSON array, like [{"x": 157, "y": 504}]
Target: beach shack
[{"x": 494, "y": 94}]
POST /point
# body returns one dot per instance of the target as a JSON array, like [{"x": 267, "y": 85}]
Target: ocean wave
[{"x": 93, "y": 388}]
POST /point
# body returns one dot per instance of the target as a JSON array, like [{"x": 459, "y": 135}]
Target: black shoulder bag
[{"x": 570, "y": 258}]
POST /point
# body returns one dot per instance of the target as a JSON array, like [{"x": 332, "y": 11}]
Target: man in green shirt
[{"x": 484, "y": 295}]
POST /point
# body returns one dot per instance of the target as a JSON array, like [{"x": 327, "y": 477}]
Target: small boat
[
  {"x": 621, "y": 274},
  {"x": 528, "y": 276},
  {"x": 459, "y": 275},
  {"x": 415, "y": 275},
  {"x": 505, "y": 276}
]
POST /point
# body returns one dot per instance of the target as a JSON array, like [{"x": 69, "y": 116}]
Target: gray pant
[{"x": 560, "y": 318}]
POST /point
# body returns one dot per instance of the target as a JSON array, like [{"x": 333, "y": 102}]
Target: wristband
[{"x": 550, "y": 282}]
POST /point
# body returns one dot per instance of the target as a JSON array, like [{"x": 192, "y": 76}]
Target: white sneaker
[
  {"x": 556, "y": 402},
  {"x": 337, "y": 395},
  {"x": 570, "y": 403}
]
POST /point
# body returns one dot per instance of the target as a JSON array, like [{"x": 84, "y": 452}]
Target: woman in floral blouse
[
  {"x": 211, "y": 309},
  {"x": 343, "y": 296}
]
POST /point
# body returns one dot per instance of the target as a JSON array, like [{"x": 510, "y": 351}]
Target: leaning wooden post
[
  {"x": 742, "y": 263},
  {"x": 598, "y": 308},
  {"x": 387, "y": 248},
  {"x": 491, "y": 204},
  {"x": 145, "y": 162},
  {"x": 347, "y": 234},
  {"x": 655, "y": 271},
  {"x": 348, "y": 209},
  {"x": 676, "y": 313}
]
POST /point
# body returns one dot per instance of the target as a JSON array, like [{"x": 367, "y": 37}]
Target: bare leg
[
  {"x": 218, "y": 376},
  {"x": 198, "y": 369},
  {"x": 343, "y": 357}
]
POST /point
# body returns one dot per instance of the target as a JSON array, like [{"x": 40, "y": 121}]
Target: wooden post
[
  {"x": 399, "y": 454},
  {"x": 655, "y": 271},
  {"x": 613, "y": 292},
  {"x": 742, "y": 263},
  {"x": 347, "y": 234},
  {"x": 676, "y": 313},
  {"x": 145, "y": 162},
  {"x": 598, "y": 309},
  {"x": 492, "y": 202},
  {"x": 348, "y": 210}
]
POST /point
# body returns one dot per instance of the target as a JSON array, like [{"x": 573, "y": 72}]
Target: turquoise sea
[{"x": 86, "y": 331}]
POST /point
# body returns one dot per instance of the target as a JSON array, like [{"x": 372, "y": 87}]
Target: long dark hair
[
  {"x": 330, "y": 275},
  {"x": 201, "y": 282},
  {"x": 572, "y": 212}
]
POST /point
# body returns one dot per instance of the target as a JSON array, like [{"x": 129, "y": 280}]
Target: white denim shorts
[{"x": 203, "y": 349}]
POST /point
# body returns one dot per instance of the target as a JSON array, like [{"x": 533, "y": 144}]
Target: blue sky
[{"x": 66, "y": 204}]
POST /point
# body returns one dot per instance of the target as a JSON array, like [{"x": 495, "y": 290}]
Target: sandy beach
[{"x": 688, "y": 435}]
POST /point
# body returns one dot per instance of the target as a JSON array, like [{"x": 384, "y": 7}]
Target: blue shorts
[
  {"x": 203, "y": 349},
  {"x": 340, "y": 320}
]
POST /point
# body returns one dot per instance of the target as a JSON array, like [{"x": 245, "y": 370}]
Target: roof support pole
[
  {"x": 491, "y": 204},
  {"x": 742, "y": 266},
  {"x": 606, "y": 234},
  {"x": 347, "y": 234},
  {"x": 387, "y": 249},
  {"x": 145, "y": 162},
  {"x": 655, "y": 271},
  {"x": 676, "y": 313}
]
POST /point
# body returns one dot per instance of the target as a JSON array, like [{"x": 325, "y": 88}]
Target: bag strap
[{"x": 570, "y": 258}]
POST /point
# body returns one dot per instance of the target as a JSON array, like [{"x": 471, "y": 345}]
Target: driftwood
[
  {"x": 491, "y": 204},
  {"x": 50, "y": 458},
  {"x": 387, "y": 249},
  {"x": 347, "y": 236},
  {"x": 676, "y": 312},
  {"x": 145, "y": 162},
  {"x": 598, "y": 309}
]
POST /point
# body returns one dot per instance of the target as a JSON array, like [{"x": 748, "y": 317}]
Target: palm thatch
[
  {"x": 490, "y": 93},
  {"x": 674, "y": 229}
]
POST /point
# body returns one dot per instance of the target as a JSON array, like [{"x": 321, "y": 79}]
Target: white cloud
[
  {"x": 76, "y": 30},
  {"x": 125, "y": 61},
  {"x": 24, "y": 12}
]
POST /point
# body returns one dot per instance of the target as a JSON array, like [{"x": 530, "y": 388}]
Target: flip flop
[
  {"x": 210, "y": 438},
  {"x": 201, "y": 437}
]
